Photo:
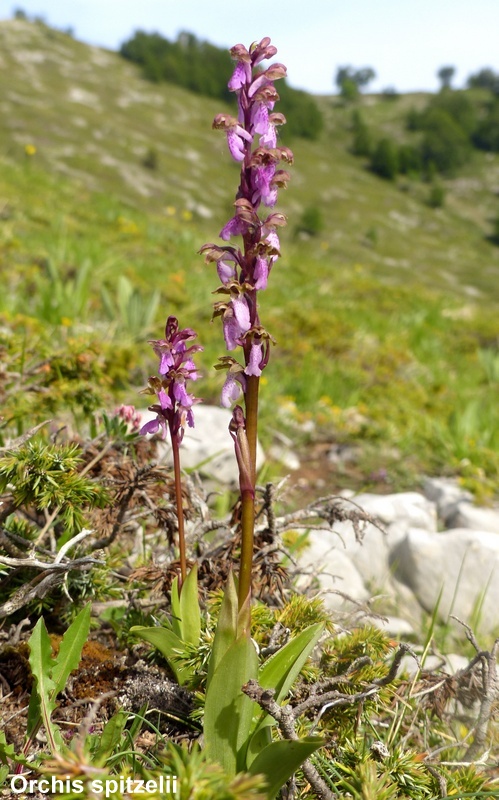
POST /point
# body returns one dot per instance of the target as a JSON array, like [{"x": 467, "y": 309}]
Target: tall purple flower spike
[{"x": 243, "y": 272}]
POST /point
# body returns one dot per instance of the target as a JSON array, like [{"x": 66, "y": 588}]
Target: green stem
[
  {"x": 247, "y": 529},
  {"x": 180, "y": 511},
  {"x": 248, "y": 497},
  {"x": 251, "y": 402}
]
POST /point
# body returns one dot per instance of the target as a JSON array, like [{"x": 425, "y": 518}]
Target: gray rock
[
  {"x": 406, "y": 509},
  {"x": 208, "y": 447},
  {"x": 467, "y": 515},
  {"x": 461, "y": 564},
  {"x": 332, "y": 569},
  {"x": 402, "y": 602},
  {"x": 455, "y": 662},
  {"x": 449, "y": 664},
  {"x": 370, "y": 556},
  {"x": 446, "y": 494},
  {"x": 285, "y": 456},
  {"x": 394, "y": 626}
]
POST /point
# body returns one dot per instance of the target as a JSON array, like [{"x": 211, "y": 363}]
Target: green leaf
[
  {"x": 279, "y": 760},
  {"x": 42, "y": 701},
  {"x": 189, "y": 612},
  {"x": 281, "y": 670},
  {"x": 110, "y": 738},
  {"x": 279, "y": 673},
  {"x": 70, "y": 649},
  {"x": 7, "y": 751},
  {"x": 169, "y": 645},
  {"x": 176, "y": 621},
  {"x": 228, "y": 713},
  {"x": 226, "y": 632}
]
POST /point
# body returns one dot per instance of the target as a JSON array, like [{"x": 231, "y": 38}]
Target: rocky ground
[
  {"x": 431, "y": 549},
  {"x": 394, "y": 559}
]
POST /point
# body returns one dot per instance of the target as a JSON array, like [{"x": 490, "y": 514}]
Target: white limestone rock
[
  {"x": 409, "y": 509},
  {"x": 461, "y": 564},
  {"x": 446, "y": 494},
  {"x": 467, "y": 515},
  {"x": 332, "y": 569},
  {"x": 394, "y": 626}
]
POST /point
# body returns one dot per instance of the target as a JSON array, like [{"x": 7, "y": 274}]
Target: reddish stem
[{"x": 180, "y": 511}]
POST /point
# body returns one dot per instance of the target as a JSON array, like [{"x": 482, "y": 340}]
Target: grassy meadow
[{"x": 386, "y": 318}]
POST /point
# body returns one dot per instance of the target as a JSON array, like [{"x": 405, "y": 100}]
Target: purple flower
[
  {"x": 234, "y": 227},
  {"x": 241, "y": 312},
  {"x": 254, "y": 366},
  {"x": 231, "y": 389},
  {"x": 236, "y": 138},
  {"x": 263, "y": 187},
  {"x": 226, "y": 272},
  {"x": 130, "y": 415},
  {"x": 181, "y": 396},
  {"x": 240, "y": 76},
  {"x": 236, "y": 321},
  {"x": 261, "y": 273},
  {"x": 260, "y": 118},
  {"x": 176, "y": 367},
  {"x": 164, "y": 405}
]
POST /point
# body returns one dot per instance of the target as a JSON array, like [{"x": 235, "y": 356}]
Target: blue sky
[{"x": 405, "y": 41}]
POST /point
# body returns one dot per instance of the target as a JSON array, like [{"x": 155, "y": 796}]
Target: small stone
[
  {"x": 446, "y": 493},
  {"x": 332, "y": 571},
  {"x": 285, "y": 456},
  {"x": 394, "y": 626}
]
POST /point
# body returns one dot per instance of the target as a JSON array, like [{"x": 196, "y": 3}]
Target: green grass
[{"x": 386, "y": 322}]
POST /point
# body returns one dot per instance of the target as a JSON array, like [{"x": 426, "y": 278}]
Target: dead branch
[
  {"x": 489, "y": 690},
  {"x": 285, "y": 718}
]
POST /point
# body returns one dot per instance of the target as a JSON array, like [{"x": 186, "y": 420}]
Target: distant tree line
[
  {"x": 449, "y": 127},
  {"x": 350, "y": 81},
  {"x": 20, "y": 14},
  {"x": 203, "y": 68}
]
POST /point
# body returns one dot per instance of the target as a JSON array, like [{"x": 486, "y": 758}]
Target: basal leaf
[
  {"x": 42, "y": 701},
  {"x": 281, "y": 670},
  {"x": 176, "y": 622},
  {"x": 190, "y": 615},
  {"x": 169, "y": 645},
  {"x": 279, "y": 760},
  {"x": 70, "y": 649},
  {"x": 111, "y": 736},
  {"x": 279, "y": 673},
  {"x": 226, "y": 631},
  {"x": 228, "y": 712}
]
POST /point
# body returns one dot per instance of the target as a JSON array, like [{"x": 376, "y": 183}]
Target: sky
[{"x": 404, "y": 41}]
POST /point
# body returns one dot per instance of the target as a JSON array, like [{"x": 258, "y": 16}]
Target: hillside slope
[{"x": 93, "y": 118}]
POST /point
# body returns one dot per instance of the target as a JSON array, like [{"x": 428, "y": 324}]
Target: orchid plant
[
  {"x": 244, "y": 270},
  {"x": 174, "y": 405},
  {"x": 237, "y": 733}
]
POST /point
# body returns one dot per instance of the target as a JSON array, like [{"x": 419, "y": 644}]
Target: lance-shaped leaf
[
  {"x": 281, "y": 670},
  {"x": 170, "y": 646},
  {"x": 279, "y": 673},
  {"x": 226, "y": 631},
  {"x": 186, "y": 615},
  {"x": 228, "y": 713},
  {"x": 279, "y": 760},
  {"x": 51, "y": 673}
]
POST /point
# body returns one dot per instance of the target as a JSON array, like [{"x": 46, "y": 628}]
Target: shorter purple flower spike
[{"x": 176, "y": 367}]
